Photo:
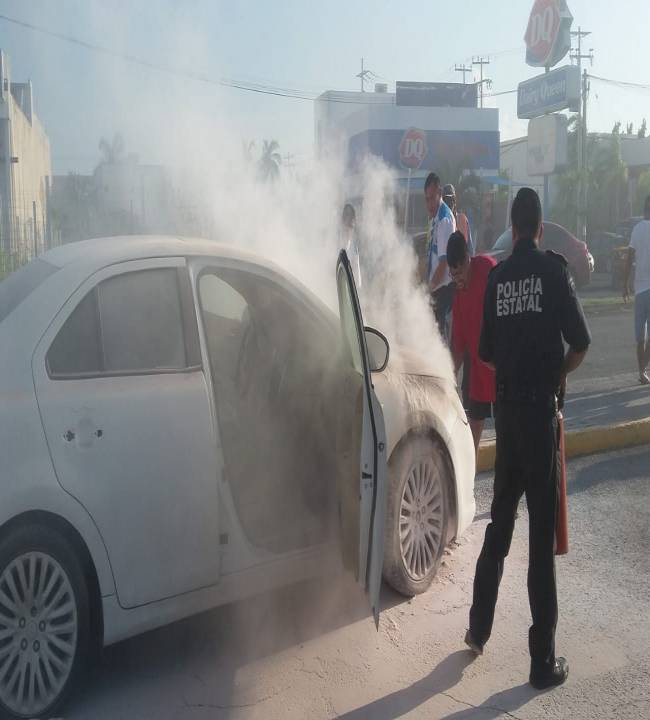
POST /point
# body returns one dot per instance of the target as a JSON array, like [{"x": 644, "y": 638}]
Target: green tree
[
  {"x": 642, "y": 192},
  {"x": 605, "y": 177},
  {"x": 629, "y": 129},
  {"x": 606, "y": 183},
  {"x": 112, "y": 150},
  {"x": 643, "y": 130},
  {"x": 270, "y": 161}
]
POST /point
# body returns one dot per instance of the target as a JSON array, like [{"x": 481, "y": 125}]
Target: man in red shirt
[{"x": 471, "y": 275}]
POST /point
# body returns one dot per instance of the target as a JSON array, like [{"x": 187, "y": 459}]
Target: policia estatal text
[{"x": 530, "y": 308}]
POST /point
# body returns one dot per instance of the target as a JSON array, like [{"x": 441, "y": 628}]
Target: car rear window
[
  {"x": 21, "y": 283},
  {"x": 128, "y": 324}
]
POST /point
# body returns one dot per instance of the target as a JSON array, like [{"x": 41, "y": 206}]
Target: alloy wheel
[
  {"x": 38, "y": 633},
  {"x": 421, "y": 519}
]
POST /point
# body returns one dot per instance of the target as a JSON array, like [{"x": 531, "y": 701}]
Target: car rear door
[
  {"x": 361, "y": 448},
  {"x": 126, "y": 412}
]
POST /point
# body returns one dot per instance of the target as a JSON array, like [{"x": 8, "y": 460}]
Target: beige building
[{"x": 25, "y": 170}]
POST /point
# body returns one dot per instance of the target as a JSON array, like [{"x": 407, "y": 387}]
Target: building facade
[
  {"x": 440, "y": 123},
  {"x": 25, "y": 171}
]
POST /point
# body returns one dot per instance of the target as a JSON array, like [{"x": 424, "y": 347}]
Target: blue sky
[{"x": 82, "y": 96}]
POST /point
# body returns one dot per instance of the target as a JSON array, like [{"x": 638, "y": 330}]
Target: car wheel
[
  {"x": 416, "y": 521},
  {"x": 44, "y": 621}
]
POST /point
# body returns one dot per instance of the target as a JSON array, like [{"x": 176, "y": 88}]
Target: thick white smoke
[{"x": 295, "y": 222}]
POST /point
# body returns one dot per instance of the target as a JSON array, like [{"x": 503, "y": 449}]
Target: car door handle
[{"x": 366, "y": 476}]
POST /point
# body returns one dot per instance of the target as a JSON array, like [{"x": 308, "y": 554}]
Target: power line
[
  {"x": 188, "y": 74},
  {"x": 463, "y": 69},
  {"x": 503, "y": 92},
  {"x": 621, "y": 83}
]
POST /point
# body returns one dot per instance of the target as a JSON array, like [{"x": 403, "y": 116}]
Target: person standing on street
[
  {"x": 462, "y": 225},
  {"x": 462, "y": 221},
  {"x": 443, "y": 224},
  {"x": 530, "y": 310},
  {"x": 639, "y": 257},
  {"x": 350, "y": 241},
  {"x": 471, "y": 276}
]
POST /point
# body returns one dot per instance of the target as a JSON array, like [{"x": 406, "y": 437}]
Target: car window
[
  {"x": 225, "y": 316},
  {"x": 349, "y": 324},
  {"x": 504, "y": 241},
  {"x": 77, "y": 349},
  {"x": 554, "y": 239},
  {"x": 129, "y": 323},
  {"x": 17, "y": 286},
  {"x": 220, "y": 298}
]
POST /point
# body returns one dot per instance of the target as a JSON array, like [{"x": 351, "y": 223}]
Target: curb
[{"x": 589, "y": 441}]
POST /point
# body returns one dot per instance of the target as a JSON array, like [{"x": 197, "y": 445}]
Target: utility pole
[
  {"x": 463, "y": 69},
  {"x": 585, "y": 95},
  {"x": 363, "y": 76},
  {"x": 579, "y": 56},
  {"x": 481, "y": 61}
]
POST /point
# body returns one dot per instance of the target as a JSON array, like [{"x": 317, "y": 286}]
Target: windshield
[
  {"x": 20, "y": 284},
  {"x": 504, "y": 241}
]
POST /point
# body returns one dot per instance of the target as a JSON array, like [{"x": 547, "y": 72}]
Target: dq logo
[
  {"x": 542, "y": 32},
  {"x": 413, "y": 148}
]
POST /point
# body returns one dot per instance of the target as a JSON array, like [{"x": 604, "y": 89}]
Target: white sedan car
[{"x": 182, "y": 425}]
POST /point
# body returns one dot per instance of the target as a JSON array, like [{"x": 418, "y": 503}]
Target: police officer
[{"x": 530, "y": 307}]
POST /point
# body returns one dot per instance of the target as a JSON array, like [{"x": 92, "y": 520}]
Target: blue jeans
[{"x": 641, "y": 315}]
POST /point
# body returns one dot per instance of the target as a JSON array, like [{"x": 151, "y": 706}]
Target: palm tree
[
  {"x": 112, "y": 150},
  {"x": 247, "y": 147},
  {"x": 270, "y": 161}
]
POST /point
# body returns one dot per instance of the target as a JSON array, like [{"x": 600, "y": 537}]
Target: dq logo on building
[{"x": 413, "y": 148}]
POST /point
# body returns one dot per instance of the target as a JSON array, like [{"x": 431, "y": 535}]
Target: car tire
[
  {"x": 417, "y": 515},
  {"x": 44, "y": 622}
]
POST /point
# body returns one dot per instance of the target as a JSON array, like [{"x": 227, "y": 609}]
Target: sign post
[
  {"x": 412, "y": 151},
  {"x": 548, "y": 40},
  {"x": 547, "y": 148}
]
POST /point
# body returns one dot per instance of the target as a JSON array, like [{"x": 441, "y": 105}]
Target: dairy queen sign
[
  {"x": 413, "y": 148},
  {"x": 548, "y": 35}
]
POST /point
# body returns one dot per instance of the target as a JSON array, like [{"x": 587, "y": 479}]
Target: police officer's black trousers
[{"x": 526, "y": 462}]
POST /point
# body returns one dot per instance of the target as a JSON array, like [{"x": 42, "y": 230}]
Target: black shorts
[{"x": 480, "y": 410}]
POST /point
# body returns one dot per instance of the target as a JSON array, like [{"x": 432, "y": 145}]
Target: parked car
[
  {"x": 184, "y": 424},
  {"x": 626, "y": 226},
  {"x": 560, "y": 240},
  {"x": 603, "y": 246}
]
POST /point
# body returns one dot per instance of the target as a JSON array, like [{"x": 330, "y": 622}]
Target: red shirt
[{"x": 467, "y": 318}]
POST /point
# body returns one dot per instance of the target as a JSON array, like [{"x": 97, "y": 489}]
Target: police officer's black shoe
[
  {"x": 474, "y": 646},
  {"x": 550, "y": 678}
]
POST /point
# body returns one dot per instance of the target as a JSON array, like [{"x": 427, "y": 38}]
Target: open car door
[{"x": 361, "y": 448}]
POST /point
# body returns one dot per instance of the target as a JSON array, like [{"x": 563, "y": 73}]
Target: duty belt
[{"x": 526, "y": 395}]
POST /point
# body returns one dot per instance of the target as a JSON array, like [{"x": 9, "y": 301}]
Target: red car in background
[{"x": 560, "y": 240}]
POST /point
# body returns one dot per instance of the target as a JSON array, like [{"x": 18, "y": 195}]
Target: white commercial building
[
  {"x": 25, "y": 171},
  {"x": 439, "y": 123}
]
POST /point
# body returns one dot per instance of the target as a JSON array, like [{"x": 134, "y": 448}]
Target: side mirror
[{"x": 378, "y": 349}]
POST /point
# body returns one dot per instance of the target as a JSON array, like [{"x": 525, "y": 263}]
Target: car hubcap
[
  {"x": 421, "y": 515},
  {"x": 38, "y": 632}
]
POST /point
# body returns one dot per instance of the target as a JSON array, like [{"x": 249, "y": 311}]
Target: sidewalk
[{"x": 599, "y": 402}]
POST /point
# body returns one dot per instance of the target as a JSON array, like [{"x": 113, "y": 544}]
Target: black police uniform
[{"x": 530, "y": 307}]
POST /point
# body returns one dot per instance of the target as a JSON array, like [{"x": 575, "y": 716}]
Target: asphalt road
[
  {"x": 310, "y": 652},
  {"x": 605, "y": 389}
]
